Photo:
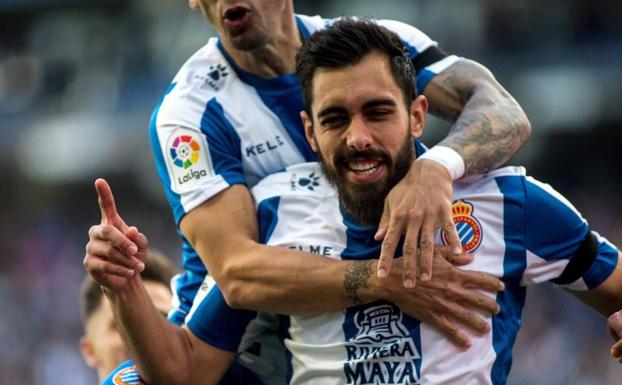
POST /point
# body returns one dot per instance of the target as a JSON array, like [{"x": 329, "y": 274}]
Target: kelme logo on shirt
[
  {"x": 309, "y": 182},
  {"x": 215, "y": 76},
  {"x": 468, "y": 227},
  {"x": 188, "y": 159}
]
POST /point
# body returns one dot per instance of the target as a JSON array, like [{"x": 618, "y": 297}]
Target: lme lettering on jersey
[{"x": 382, "y": 351}]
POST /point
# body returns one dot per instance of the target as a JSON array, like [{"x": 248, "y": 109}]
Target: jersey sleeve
[
  {"x": 216, "y": 323},
  {"x": 124, "y": 374},
  {"x": 429, "y": 60},
  {"x": 194, "y": 160},
  {"x": 560, "y": 246}
]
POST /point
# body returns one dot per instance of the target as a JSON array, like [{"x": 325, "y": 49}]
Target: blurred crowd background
[{"x": 78, "y": 80}]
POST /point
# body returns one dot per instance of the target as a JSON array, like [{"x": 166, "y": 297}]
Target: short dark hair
[
  {"x": 346, "y": 42},
  {"x": 158, "y": 268}
]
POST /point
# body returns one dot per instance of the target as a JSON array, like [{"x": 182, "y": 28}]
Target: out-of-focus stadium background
[{"x": 78, "y": 79}]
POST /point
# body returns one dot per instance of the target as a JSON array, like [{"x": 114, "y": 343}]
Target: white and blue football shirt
[
  {"x": 521, "y": 230},
  {"x": 218, "y": 125}
]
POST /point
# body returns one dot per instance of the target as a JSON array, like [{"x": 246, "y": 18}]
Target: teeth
[{"x": 364, "y": 167}]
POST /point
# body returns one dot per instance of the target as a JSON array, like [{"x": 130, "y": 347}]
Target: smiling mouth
[{"x": 364, "y": 167}]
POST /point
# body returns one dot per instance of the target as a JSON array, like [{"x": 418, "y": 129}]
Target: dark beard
[{"x": 365, "y": 202}]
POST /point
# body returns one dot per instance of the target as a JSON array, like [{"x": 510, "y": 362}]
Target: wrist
[
  {"x": 388, "y": 287},
  {"x": 125, "y": 292},
  {"x": 448, "y": 158}
]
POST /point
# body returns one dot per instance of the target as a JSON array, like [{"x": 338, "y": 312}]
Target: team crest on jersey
[
  {"x": 468, "y": 226},
  {"x": 127, "y": 376},
  {"x": 187, "y": 159}
]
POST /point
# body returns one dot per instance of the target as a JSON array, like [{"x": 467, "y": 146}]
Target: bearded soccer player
[{"x": 363, "y": 132}]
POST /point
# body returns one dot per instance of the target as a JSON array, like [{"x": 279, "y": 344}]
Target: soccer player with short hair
[{"x": 363, "y": 129}]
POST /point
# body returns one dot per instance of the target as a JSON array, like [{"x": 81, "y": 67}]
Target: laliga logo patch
[
  {"x": 185, "y": 151},
  {"x": 188, "y": 160},
  {"x": 468, "y": 227},
  {"x": 128, "y": 376}
]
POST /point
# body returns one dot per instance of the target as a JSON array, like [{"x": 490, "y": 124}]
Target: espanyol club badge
[{"x": 468, "y": 227}]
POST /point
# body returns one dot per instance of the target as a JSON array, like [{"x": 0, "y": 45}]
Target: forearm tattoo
[
  {"x": 355, "y": 278},
  {"x": 490, "y": 126}
]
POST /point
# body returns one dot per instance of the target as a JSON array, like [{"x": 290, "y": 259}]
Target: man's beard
[{"x": 365, "y": 202}]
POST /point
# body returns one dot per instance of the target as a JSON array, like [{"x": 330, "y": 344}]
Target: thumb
[{"x": 107, "y": 206}]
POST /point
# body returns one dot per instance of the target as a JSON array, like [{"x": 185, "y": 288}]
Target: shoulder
[
  {"x": 311, "y": 24},
  {"x": 205, "y": 76},
  {"x": 304, "y": 180}
]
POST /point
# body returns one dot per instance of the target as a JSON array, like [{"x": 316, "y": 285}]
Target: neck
[{"x": 277, "y": 57}]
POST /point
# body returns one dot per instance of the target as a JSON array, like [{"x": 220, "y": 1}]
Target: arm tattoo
[
  {"x": 356, "y": 277},
  {"x": 489, "y": 125}
]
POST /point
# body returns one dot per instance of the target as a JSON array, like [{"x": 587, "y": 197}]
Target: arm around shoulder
[{"x": 489, "y": 124}]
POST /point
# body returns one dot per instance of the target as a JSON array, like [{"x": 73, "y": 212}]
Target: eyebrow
[
  {"x": 370, "y": 104},
  {"x": 331, "y": 110},
  {"x": 379, "y": 102}
]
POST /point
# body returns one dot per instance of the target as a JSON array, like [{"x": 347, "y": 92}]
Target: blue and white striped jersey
[
  {"x": 521, "y": 230},
  {"x": 218, "y": 125}
]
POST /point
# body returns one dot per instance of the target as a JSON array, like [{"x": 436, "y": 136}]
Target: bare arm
[
  {"x": 164, "y": 353},
  {"x": 607, "y": 297},
  {"x": 607, "y": 300},
  {"x": 253, "y": 276},
  {"x": 489, "y": 125}
]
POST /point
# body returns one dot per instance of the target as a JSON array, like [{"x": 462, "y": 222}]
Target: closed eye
[
  {"x": 378, "y": 113},
  {"x": 333, "y": 121}
]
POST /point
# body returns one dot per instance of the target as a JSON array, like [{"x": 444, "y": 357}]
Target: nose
[{"x": 359, "y": 135}]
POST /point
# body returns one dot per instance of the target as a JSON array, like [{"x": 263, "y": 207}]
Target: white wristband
[{"x": 448, "y": 157}]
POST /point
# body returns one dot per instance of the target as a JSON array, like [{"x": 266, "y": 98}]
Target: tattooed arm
[{"x": 489, "y": 125}]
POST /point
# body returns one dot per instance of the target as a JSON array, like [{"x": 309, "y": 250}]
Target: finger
[
  {"x": 114, "y": 236},
  {"x": 458, "y": 260},
  {"x": 616, "y": 350},
  {"x": 384, "y": 222},
  {"x": 467, "y": 318},
  {"x": 462, "y": 259},
  {"x": 449, "y": 330},
  {"x": 409, "y": 254},
  {"x": 426, "y": 244},
  {"x": 107, "y": 206},
  {"x": 453, "y": 239},
  {"x": 141, "y": 241},
  {"x": 476, "y": 300},
  {"x": 614, "y": 323},
  {"x": 389, "y": 244},
  {"x": 479, "y": 280},
  {"x": 104, "y": 250},
  {"x": 99, "y": 266}
]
